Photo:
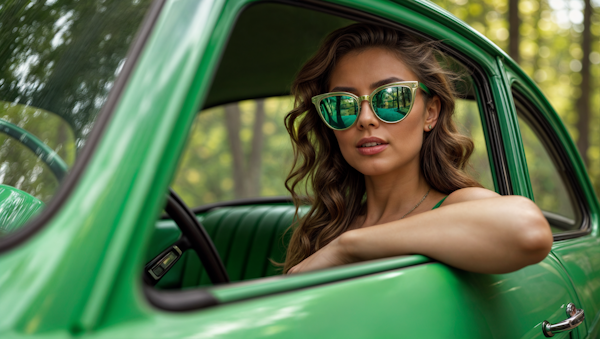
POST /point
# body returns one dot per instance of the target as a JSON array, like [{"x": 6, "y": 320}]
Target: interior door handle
[{"x": 575, "y": 315}]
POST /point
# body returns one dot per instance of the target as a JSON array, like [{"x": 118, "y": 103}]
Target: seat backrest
[{"x": 247, "y": 239}]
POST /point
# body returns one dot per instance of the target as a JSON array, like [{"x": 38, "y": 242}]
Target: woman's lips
[
  {"x": 371, "y": 145},
  {"x": 372, "y": 150}
]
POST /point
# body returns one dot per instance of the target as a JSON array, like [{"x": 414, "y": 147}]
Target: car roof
[{"x": 260, "y": 61}]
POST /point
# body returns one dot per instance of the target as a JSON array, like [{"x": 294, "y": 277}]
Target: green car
[{"x": 142, "y": 167}]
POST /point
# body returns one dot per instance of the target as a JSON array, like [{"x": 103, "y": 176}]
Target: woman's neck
[{"x": 391, "y": 196}]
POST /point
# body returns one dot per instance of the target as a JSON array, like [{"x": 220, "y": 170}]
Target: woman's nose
[{"x": 367, "y": 116}]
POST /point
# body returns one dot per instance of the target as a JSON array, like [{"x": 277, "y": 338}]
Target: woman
[{"x": 373, "y": 135}]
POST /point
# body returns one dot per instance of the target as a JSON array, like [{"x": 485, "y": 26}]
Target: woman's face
[{"x": 399, "y": 144}]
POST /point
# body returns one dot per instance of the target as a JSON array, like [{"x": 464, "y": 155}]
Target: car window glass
[
  {"x": 22, "y": 167},
  {"x": 58, "y": 62},
  {"x": 550, "y": 189}
]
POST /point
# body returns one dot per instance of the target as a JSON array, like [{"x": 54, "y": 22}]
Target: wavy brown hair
[{"x": 338, "y": 190}]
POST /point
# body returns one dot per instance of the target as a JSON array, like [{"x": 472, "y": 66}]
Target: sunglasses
[{"x": 391, "y": 103}]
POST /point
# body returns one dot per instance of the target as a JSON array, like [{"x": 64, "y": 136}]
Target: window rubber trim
[
  {"x": 14, "y": 239},
  {"x": 201, "y": 297},
  {"x": 559, "y": 156}
]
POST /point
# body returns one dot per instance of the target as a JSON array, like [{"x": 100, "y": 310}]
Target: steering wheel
[
  {"x": 194, "y": 236},
  {"x": 17, "y": 206},
  {"x": 45, "y": 153}
]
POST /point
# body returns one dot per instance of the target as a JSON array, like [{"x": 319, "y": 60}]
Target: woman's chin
[{"x": 373, "y": 171}]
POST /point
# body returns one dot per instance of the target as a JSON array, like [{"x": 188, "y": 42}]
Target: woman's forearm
[{"x": 494, "y": 235}]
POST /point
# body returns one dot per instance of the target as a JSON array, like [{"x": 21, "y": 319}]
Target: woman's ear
[{"x": 432, "y": 112}]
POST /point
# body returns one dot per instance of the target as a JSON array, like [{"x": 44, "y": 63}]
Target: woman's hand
[{"x": 333, "y": 254}]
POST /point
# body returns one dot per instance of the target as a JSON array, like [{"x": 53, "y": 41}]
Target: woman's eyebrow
[
  {"x": 373, "y": 85},
  {"x": 344, "y": 89},
  {"x": 385, "y": 82}
]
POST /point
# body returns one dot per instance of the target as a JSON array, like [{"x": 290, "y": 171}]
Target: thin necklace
[{"x": 419, "y": 203}]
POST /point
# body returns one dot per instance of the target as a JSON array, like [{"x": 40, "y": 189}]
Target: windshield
[{"x": 58, "y": 63}]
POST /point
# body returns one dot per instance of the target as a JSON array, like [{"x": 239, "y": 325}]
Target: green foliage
[
  {"x": 468, "y": 120},
  {"x": 550, "y": 51},
  {"x": 205, "y": 174},
  {"x": 64, "y": 55}
]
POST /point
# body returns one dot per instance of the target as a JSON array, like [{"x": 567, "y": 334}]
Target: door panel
[
  {"x": 424, "y": 301},
  {"x": 581, "y": 259},
  {"x": 515, "y": 304}
]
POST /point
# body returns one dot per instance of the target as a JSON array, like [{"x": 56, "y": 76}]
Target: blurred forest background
[
  {"x": 242, "y": 150},
  {"x": 557, "y": 43}
]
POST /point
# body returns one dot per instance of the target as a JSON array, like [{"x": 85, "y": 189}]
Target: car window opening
[{"x": 238, "y": 153}]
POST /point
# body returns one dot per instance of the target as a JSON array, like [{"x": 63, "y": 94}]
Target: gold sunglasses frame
[{"x": 412, "y": 85}]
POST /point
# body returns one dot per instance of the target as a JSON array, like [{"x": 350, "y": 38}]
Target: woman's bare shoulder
[{"x": 469, "y": 193}]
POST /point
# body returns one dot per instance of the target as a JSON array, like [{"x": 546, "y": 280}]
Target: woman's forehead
[{"x": 369, "y": 69}]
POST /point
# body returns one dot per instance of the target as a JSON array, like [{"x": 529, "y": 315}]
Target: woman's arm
[{"x": 490, "y": 234}]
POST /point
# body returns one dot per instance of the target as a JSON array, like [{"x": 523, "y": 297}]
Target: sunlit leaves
[{"x": 551, "y": 53}]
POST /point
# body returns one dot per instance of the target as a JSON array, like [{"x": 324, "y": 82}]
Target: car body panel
[
  {"x": 580, "y": 257},
  {"x": 427, "y": 300}
]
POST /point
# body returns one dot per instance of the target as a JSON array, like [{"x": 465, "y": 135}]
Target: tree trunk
[
  {"x": 233, "y": 123},
  {"x": 583, "y": 103},
  {"x": 539, "y": 41},
  {"x": 514, "y": 22},
  {"x": 338, "y": 107},
  {"x": 255, "y": 160}
]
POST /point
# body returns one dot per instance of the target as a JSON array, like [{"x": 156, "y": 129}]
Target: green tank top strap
[{"x": 439, "y": 203}]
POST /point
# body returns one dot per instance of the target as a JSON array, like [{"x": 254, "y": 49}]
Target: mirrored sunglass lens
[
  {"x": 392, "y": 104},
  {"x": 339, "y": 111}
]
